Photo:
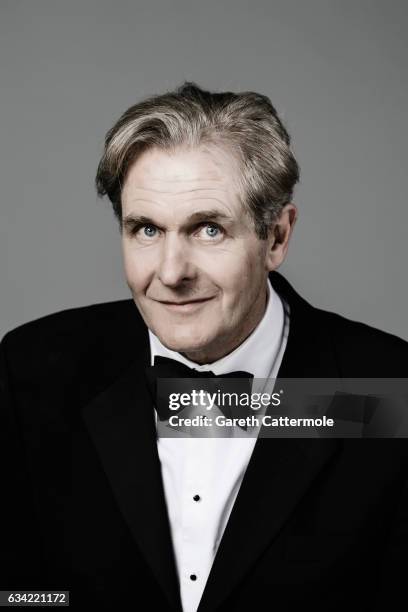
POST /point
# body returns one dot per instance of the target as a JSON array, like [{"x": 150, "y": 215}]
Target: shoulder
[
  {"x": 354, "y": 343},
  {"x": 75, "y": 323},
  {"x": 78, "y": 332},
  {"x": 363, "y": 350},
  {"x": 358, "y": 350}
]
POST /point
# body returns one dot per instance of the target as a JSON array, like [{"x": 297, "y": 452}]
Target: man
[{"x": 96, "y": 502}]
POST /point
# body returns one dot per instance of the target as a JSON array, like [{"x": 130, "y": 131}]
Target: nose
[{"x": 175, "y": 265}]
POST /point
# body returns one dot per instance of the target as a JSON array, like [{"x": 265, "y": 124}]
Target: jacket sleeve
[{"x": 20, "y": 541}]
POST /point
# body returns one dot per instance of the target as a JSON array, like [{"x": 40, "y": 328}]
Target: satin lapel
[
  {"x": 280, "y": 470},
  {"x": 278, "y": 475},
  {"x": 122, "y": 427}
]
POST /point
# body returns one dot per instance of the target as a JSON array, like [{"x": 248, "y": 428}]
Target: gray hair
[{"x": 189, "y": 116}]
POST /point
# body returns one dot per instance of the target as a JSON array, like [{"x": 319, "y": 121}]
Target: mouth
[{"x": 185, "y": 306}]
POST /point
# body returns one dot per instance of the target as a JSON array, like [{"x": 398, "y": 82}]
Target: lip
[{"x": 185, "y": 306}]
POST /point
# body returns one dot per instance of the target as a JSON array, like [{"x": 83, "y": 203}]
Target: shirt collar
[{"x": 255, "y": 355}]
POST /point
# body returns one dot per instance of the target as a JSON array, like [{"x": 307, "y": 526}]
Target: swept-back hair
[{"x": 245, "y": 123}]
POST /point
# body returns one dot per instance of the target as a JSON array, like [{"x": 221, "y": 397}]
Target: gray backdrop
[{"x": 336, "y": 71}]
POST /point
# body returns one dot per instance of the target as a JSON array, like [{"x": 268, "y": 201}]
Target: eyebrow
[{"x": 131, "y": 221}]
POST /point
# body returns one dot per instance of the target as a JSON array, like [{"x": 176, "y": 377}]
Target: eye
[
  {"x": 149, "y": 231},
  {"x": 210, "y": 231},
  {"x": 143, "y": 232}
]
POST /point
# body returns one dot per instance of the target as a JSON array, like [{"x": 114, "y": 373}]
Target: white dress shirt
[{"x": 202, "y": 476}]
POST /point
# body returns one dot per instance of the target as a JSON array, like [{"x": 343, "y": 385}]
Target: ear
[{"x": 279, "y": 236}]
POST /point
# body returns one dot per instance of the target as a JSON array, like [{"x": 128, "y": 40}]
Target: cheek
[
  {"x": 136, "y": 269},
  {"x": 246, "y": 280},
  {"x": 139, "y": 264},
  {"x": 234, "y": 275},
  {"x": 224, "y": 275}
]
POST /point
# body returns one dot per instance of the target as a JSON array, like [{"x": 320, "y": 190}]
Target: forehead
[{"x": 205, "y": 171}]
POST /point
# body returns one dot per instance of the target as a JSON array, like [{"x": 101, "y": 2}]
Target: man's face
[{"x": 196, "y": 268}]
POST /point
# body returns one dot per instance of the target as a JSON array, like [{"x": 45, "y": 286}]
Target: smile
[{"x": 185, "y": 306}]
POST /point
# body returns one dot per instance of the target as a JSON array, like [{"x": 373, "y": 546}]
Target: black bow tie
[{"x": 170, "y": 368}]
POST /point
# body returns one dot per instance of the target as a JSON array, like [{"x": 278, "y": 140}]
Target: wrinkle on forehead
[
  {"x": 156, "y": 200},
  {"x": 183, "y": 204},
  {"x": 183, "y": 171},
  {"x": 137, "y": 188},
  {"x": 183, "y": 177},
  {"x": 179, "y": 186}
]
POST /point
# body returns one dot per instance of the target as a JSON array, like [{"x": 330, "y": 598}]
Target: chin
[{"x": 184, "y": 343}]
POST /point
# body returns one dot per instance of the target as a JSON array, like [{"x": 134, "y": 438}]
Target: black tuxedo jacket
[{"x": 319, "y": 522}]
